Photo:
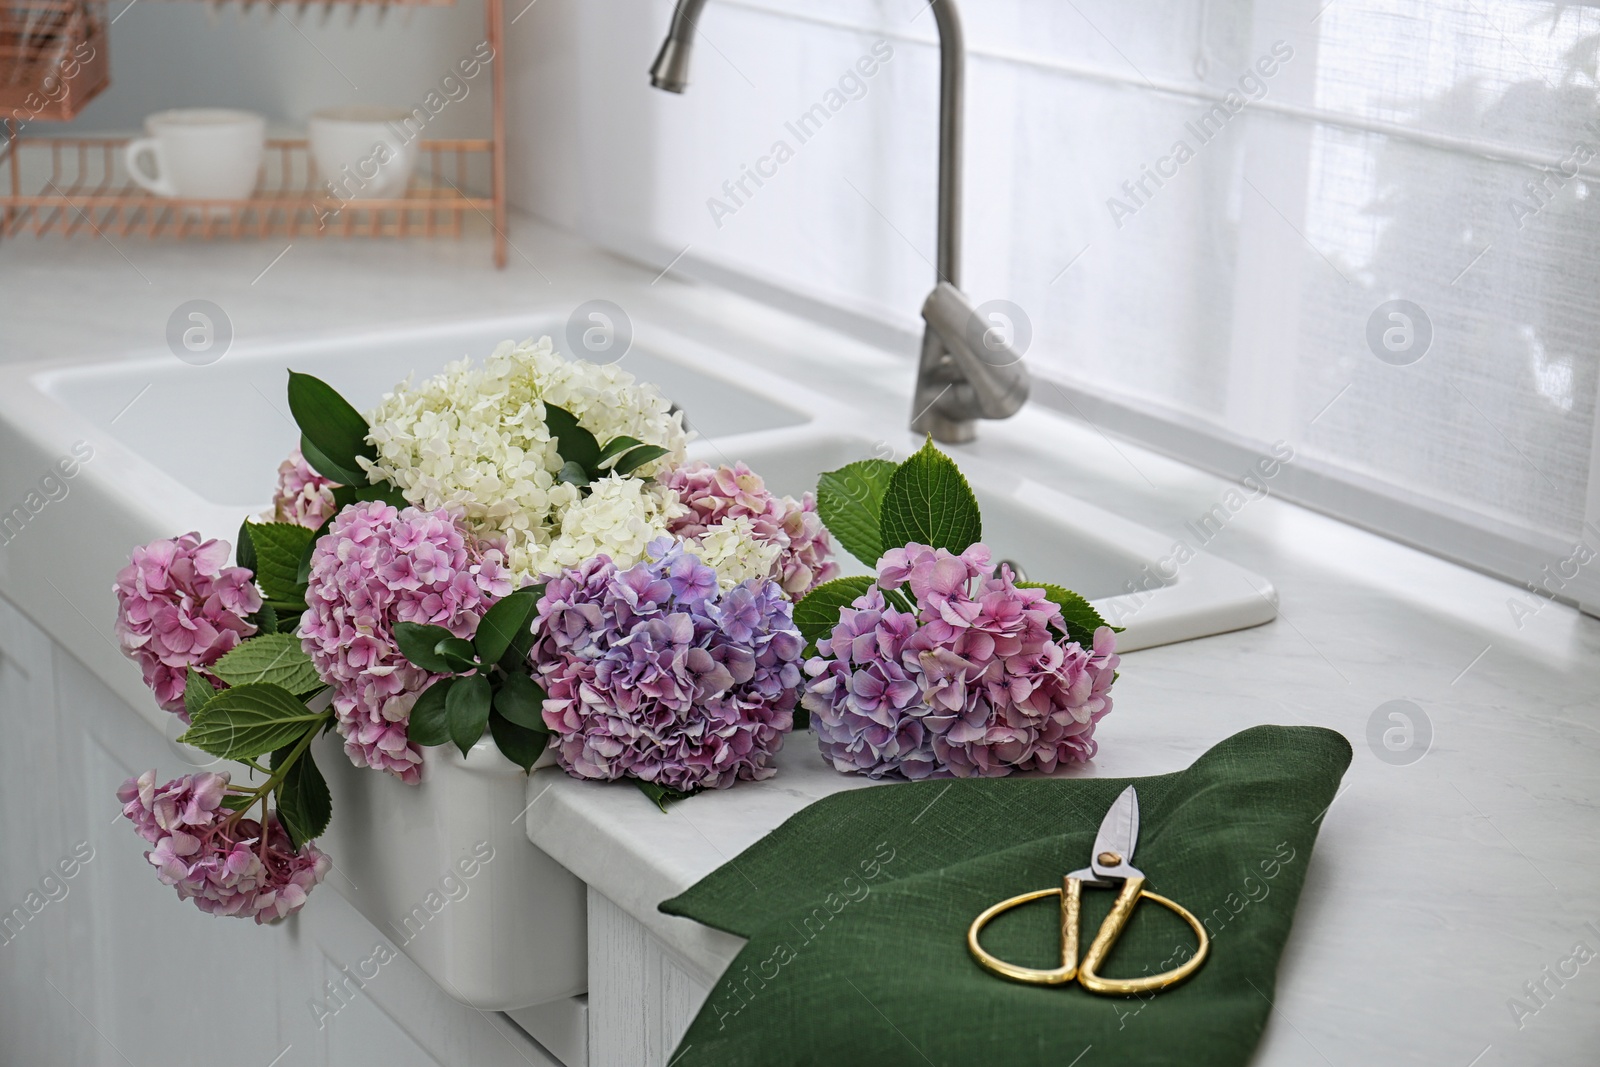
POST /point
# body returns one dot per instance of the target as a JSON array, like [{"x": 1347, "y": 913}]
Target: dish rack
[
  {"x": 71, "y": 186},
  {"x": 52, "y": 57}
]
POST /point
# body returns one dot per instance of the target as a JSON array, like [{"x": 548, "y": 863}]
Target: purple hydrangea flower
[
  {"x": 377, "y": 566},
  {"x": 651, "y": 675},
  {"x": 975, "y": 684},
  {"x": 716, "y": 493},
  {"x": 179, "y": 606},
  {"x": 215, "y": 858},
  {"x": 303, "y": 496}
]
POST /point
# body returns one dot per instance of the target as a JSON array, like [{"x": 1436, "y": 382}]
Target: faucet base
[
  {"x": 931, "y": 400},
  {"x": 945, "y": 430}
]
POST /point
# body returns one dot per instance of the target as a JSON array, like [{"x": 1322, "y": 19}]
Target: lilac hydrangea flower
[
  {"x": 651, "y": 675},
  {"x": 303, "y": 496},
  {"x": 713, "y": 494},
  {"x": 974, "y": 684},
  {"x": 377, "y": 566},
  {"x": 179, "y": 606},
  {"x": 217, "y": 859}
]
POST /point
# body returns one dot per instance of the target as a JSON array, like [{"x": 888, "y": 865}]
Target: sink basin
[
  {"x": 517, "y": 939},
  {"x": 240, "y": 398}
]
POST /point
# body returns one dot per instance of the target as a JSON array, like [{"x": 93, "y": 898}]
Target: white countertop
[{"x": 1438, "y": 889}]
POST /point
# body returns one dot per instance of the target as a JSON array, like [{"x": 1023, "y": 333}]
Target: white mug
[
  {"x": 363, "y": 152},
  {"x": 200, "y": 153}
]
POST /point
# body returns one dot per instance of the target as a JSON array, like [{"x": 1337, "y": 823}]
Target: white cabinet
[
  {"x": 642, "y": 995},
  {"x": 108, "y": 967}
]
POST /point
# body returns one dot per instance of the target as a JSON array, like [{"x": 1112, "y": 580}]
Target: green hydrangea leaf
[
  {"x": 1080, "y": 616},
  {"x": 249, "y": 721},
  {"x": 419, "y": 643},
  {"x": 574, "y": 473},
  {"x": 817, "y": 613},
  {"x": 638, "y": 457},
  {"x": 458, "y": 654},
  {"x": 273, "y": 657},
  {"x": 574, "y": 444},
  {"x": 279, "y": 547},
  {"x": 429, "y": 723},
  {"x": 333, "y": 433},
  {"x": 503, "y": 623},
  {"x": 467, "y": 706},
  {"x": 244, "y": 553},
  {"x": 518, "y": 744},
  {"x": 930, "y": 503},
  {"x": 303, "y": 801},
  {"x": 343, "y": 476},
  {"x": 521, "y": 700},
  {"x": 662, "y": 795},
  {"x": 265, "y": 618},
  {"x": 196, "y": 691},
  {"x": 618, "y": 445},
  {"x": 516, "y": 655},
  {"x": 850, "y": 504}
]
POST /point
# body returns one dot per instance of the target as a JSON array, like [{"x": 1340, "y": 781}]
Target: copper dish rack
[
  {"x": 52, "y": 57},
  {"x": 79, "y": 185}
]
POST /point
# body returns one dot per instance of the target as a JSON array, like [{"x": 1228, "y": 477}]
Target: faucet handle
[{"x": 996, "y": 379}]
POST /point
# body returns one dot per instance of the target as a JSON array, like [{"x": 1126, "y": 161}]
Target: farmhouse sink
[
  {"x": 173, "y": 447},
  {"x": 240, "y": 400}
]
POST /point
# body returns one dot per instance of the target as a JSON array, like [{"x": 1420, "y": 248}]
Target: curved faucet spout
[
  {"x": 670, "y": 71},
  {"x": 954, "y": 387}
]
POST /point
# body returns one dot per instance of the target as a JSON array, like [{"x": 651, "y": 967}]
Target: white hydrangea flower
[
  {"x": 619, "y": 518},
  {"x": 734, "y": 550},
  {"x": 475, "y": 438}
]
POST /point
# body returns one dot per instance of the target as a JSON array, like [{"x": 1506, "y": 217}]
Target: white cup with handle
[
  {"x": 199, "y": 153},
  {"x": 363, "y": 152}
]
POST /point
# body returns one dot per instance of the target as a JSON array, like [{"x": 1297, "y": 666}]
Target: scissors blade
[{"x": 1119, "y": 833}]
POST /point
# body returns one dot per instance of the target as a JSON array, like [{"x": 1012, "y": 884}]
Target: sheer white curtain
[{"x": 1363, "y": 227}]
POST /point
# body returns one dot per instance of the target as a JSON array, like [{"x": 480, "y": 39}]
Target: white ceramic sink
[
  {"x": 178, "y": 447},
  {"x": 240, "y": 399}
]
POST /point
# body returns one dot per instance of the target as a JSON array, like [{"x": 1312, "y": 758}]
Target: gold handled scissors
[{"x": 1110, "y": 864}]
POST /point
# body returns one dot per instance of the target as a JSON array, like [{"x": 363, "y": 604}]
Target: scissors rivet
[{"x": 1109, "y": 859}]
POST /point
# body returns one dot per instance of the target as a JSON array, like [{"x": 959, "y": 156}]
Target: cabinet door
[
  {"x": 642, "y": 995},
  {"x": 107, "y": 966}
]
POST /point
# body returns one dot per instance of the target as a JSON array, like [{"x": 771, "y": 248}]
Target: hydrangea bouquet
[
  {"x": 941, "y": 665},
  {"x": 516, "y": 548}
]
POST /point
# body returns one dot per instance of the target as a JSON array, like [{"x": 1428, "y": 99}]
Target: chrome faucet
[{"x": 967, "y": 371}]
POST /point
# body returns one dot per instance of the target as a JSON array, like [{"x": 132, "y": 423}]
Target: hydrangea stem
[{"x": 277, "y": 774}]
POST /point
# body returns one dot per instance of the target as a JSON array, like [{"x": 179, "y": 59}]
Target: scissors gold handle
[{"x": 1087, "y": 972}]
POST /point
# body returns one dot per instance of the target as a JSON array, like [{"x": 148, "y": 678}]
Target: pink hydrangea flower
[
  {"x": 179, "y": 606},
  {"x": 976, "y": 683},
  {"x": 653, "y": 675},
  {"x": 303, "y": 496},
  {"x": 716, "y": 493},
  {"x": 377, "y": 566},
  {"x": 219, "y": 860}
]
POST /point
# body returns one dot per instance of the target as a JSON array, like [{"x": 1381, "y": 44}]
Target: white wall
[{"x": 282, "y": 63}]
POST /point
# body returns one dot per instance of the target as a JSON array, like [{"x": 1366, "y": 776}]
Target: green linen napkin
[{"x": 857, "y": 908}]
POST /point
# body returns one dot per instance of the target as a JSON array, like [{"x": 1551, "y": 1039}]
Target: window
[{"x": 1364, "y": 227}]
